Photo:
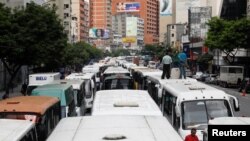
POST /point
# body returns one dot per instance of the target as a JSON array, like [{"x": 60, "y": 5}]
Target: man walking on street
[{"x": 166, "y": 61}]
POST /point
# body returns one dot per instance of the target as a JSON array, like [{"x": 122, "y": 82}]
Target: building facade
[
  {"x": 20, "y": 3},
  {"x": 174, "y": 35},
  {"x": 100, "y": 11},
  {"x": 248, "y": 8},
  {"x": 148, "y": 10}
]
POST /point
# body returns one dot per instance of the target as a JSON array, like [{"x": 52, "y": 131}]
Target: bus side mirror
[
  {"x": 236, "y": 104},
  {"x": 178, "y": 112}
]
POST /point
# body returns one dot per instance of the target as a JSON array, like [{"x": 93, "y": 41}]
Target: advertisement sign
[
  {"x": 129, "y": 40},
  {"x": 98, "y": 33},
  {"x": 128, "y": 7},
  {"x": 131, "y": 26},
  {"x": 165, "y": 7}
]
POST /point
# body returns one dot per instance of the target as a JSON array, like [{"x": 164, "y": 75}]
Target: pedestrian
[
  {"x": 24, "y": 88},
  {"x": 166, "y": 61},
  {"x": 192, "y": 136},
  {"x": 176, "y": 61},
  {"x": 182, "y": 64}
]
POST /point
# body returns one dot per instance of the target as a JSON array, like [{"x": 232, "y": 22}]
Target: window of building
[
  {"x": 66, "y": 23},
  {"x": 66, "y": 6},
  {"x": 66, "y": 15},
  {"x": 172, "y": 27},
  {"x": 172, "y": 34}
]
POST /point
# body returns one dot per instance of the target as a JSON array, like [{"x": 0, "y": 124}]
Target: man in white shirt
[{"x": 166, "y": 61}]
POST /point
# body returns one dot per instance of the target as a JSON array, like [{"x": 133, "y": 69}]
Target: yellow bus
[{"x": 44, "y": 111}]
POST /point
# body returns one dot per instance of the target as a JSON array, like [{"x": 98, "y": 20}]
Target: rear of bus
[
  {"x": 64, "y": 92},
  {"x": 117, "y": 82},
  {"x": 44, "y": 111}
]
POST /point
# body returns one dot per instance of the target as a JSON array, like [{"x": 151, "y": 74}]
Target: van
[{"x": 230, "y": 75}]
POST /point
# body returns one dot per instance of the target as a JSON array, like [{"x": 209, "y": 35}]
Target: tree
[
  {"x": 204, "y": 60},
  {"x": 228, "y": 36},
  {"x": 30, "y": 36},
  {"x": 78, "y": 54}
]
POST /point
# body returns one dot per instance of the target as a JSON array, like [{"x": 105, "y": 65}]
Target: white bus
[
  {"x": 90, "y": 86},
  {"x": 101, "y": 128},
  {"x": 140, "y": 76},
  {"x": 124, "y": 102},
  {"x": 17, "y": 130},
  {"x": 226, "y": 121},
  {"x": 93, "y": 69},
  {"x": 191, "y": 104},
  {"x": 39, "y": 79}
]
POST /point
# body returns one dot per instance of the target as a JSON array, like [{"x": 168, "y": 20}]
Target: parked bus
[
  {"x": 129, "y": 128},
  {"x": 93, "y": 69},
  {"x": 39, "y": 79},
  {"x": 230, "y": 75},
  {"x": 226, "y": 121},
  {"x": 124, "y": 102},
  {"x": 44, "y": 111},
  {"x": 17, "y": 130},
  {"x": 191, "y": 104},
  {"x": 78, "y": 91},
  {"x": 64, "y": 92},
  {"x": 140, "y": 76},
  {"x": 90, "y": 87}
]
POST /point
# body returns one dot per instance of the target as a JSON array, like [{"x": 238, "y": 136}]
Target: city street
[{"x": 243, "y": 100}]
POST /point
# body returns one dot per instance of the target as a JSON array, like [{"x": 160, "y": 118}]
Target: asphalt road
[{"x": 243, "y": 100}]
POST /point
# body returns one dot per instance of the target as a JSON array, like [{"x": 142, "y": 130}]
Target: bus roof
[
  {"x": 230, "y": 121},
  {"x": 80, "y": 76},
  {"x": 101, "y": 128},
  {"x": 193, "y": 90},
  {"x": 124, "y": 102},
  {"x": 55, "y": 90},
  {"x": 112, "y": 70},
  {"x": 27, "y": 104},
  {"x": 45, "y": 74},
  {"x": 149, "y": 71},
  {"x": 76, "y": 83},
  {"x": 157, "y": 79},
  {"x": 14, "y": 130}
]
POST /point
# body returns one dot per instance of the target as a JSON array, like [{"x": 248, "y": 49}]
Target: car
[
  {"x": 212, "y": 79},
  {"x": 197, "y": 75}
]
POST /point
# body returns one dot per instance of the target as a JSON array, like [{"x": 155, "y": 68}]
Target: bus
[
  {"x": 226, "y": 121},
  {"x": 140, "y": 76},
  {"x": 93, "y": 69},
  {"x": 116, "y": 78},
  {"x": 191, "y": 104},
  {"x": 64, "y": 92},
  {"x": 129, "y": 128},
  {"x": 78, "y": 91},
  {"x": 17, "y": 130},
  {"x": 44, "y": 111},
  {"x": 38, "y": 79},
  {"x": 90, "y": 86},
  {"x": 124, "y": 102}
]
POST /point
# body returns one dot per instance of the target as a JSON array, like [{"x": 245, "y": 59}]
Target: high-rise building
[
  {"x": 100, "y": 11},
  {"x": 174, "y": 35},
  {"x": 84, "y": 25},
  {"x": 148, "y": 10},
  {"x": 233, "y": 9}
]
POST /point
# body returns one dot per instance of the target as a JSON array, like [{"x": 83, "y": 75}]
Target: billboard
[
  {"x": 165, "y": 7},
  {"x": 98, "y": 33},
  {"x": 129, "y": 40},
  {"x": 131, "y": 26},
  {"x": 128, "y": 7}
]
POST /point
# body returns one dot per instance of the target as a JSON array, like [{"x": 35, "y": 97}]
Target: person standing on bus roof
[
  {"x": 192, "y": 136},
  {"x": 166, "y": 61}
]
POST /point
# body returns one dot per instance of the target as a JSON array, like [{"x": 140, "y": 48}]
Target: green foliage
[
  {"x": 120, "y": 52},
  {"x": 157, "y": 51},
  {"x": 228, "y": 35},
  {"x": 77, "y": 54},
  {"x": 31, "y": 36}
]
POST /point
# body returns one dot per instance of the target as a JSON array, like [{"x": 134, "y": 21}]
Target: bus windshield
[
  {"x": 195, "y": 114},
  {"x": 118, "y": 84}
]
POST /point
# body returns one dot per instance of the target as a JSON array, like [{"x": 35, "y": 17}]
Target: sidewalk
[{"x": 16, "y": 92}]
